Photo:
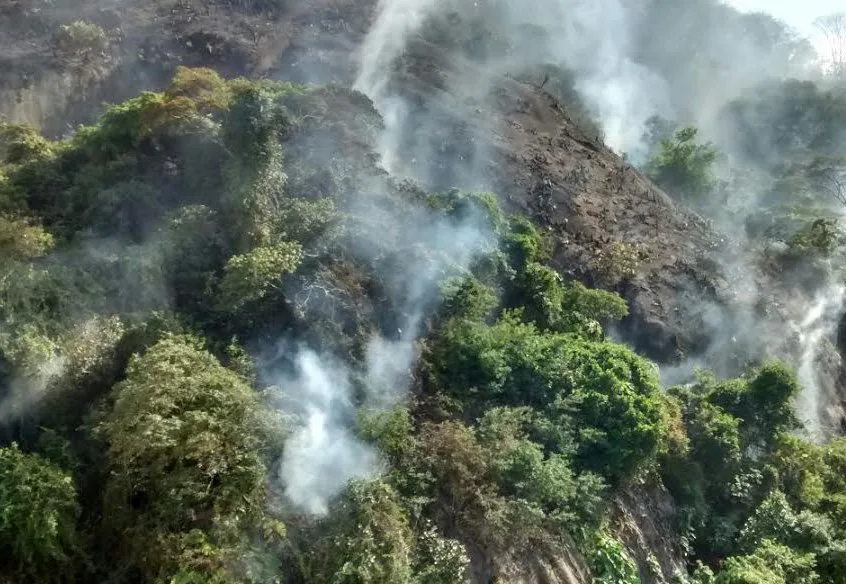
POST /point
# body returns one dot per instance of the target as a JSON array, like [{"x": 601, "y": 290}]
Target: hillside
[{"x": 350, "y": 292}]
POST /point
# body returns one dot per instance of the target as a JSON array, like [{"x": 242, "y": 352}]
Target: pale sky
[{"x": 799, "y": 14}]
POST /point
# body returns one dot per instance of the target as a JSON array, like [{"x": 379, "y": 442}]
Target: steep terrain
[
  {"x": 272, "y": 265},
  {"x": 146, "y": 41}
]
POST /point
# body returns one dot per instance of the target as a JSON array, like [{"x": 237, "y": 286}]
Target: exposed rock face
[
  {"x": 645, "y": 519},
  {"x": 301, "y": 41}
]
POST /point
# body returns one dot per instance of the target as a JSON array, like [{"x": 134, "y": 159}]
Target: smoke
[
  {"x": 630, "y": 60},
  {"x": 27, "y": 389},
  {"x": 814, "y": 331},
  {"x": 396, "y": 20},
  {"x": 429, "y": 66},
  {"x": 592, "y": 39},
  {"x": 324, "y": 454}
]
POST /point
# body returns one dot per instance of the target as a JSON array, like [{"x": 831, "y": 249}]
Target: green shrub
[
  {"x": 251, "y": 276},
  {"x": 38, "y": 516},
  {"x": 20, "y": 239},
  {"x": 21, "y": 143},
  {"x": 184, "y": 449},
  {"x": 80, "y": 42},
  {"x": 603, "y": 393},
  {"x": 439, "y": 560},
  {"x": 770, "y": 564},
  {"x": 204, "y": 88},
  {"x": 683, "y": 167},
  {"x": 619, "y": 262},
  {"x": 368, "y": 539},
  {"x": 819, "y": 237},
  {"x": 611, "y": 564},
  {"x": 565, "y": 307}
]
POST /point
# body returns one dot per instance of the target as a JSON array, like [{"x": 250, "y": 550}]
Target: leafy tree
[
  {"x": 21, "y": 143},
  {"x": 763, "y": 402},
  {"x": 249, "y": 277},
  {"x": 819, "y": 236},
  {"x": 600, "y": 391},
  {"x": 80, "y": 42},
  {"x": 467, "y": 299},
  {"x": 367, "y": 540},
  {"x": 611, "y": 563},
  {"x": 184, "y": 449},
  {"x": 205, "y": 89},
  {"x": 21, "y": 240},
  {"x": 439, "y": 560},
  {"x": 684, "y": 167},
  {"x": 38, "y": 536},
  {"x": 522, "y": 470},
  {"x": 619, "y": 262},
  {"x": 566, "y": 307},
  {"x": 770, "y": 564}
]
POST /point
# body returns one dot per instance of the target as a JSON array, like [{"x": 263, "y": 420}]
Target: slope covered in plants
[{"x": 213, "y": 303}]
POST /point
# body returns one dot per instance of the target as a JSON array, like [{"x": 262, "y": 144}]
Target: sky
[{"x": 800, "y": 14}]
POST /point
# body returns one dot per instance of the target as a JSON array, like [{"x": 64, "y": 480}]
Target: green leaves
[
  {"x": 601, "y": 392},
  {"x": 611, "y": 563},
  {"x": 770, "y": 564},
  {"x": 683, "y": 167},
  {"x": 184, "y": 447},
  {"x": 38, "y": 513},
  {"x": 251, "y": 276},
  {"x": 369, "y": 539}
]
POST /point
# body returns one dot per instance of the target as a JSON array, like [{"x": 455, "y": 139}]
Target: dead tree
[{"x": 833, "y": 28}]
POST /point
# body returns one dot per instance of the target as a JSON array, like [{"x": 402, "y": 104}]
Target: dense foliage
[{"x": 153, "y": 260}]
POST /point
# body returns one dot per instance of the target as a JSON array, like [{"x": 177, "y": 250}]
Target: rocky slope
[{"x": 610, "y": 226}]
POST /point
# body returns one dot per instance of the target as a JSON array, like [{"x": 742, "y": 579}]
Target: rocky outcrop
[{"x": 645, "y": 519}]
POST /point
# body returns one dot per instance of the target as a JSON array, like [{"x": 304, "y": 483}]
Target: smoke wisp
[
  {"x": 324, "y": 454},
  {"x": 628, "y": 61}
]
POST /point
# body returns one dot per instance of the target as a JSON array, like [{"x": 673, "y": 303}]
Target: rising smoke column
[
  {"x": 324, "y": 454},
  {"x": 814, "y": 331}
]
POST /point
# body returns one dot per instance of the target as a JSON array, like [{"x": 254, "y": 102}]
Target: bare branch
[{"x": 833, "y": 27}]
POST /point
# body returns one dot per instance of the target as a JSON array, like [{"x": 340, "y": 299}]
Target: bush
[
  {"x": 206, "y": 89},
  {"x": 38, "y": 516},
  {"x": 249, "y": 277},
  {"x": 770, "y": 564},
  {"x": 611, "y": 564},
  {"x": 20, "y": 239},
  {"x": 184, "y": 449},
  {"x": 619, "y": 262},
  {"x": 602, "y": 392},
  {"x": 439, "y": 560},
  {"x": 80, "y": 42},
  {"x": 683, "y": 167},
  {"x": 565, "y": 307},
  {"x": 20, "y": 143},
  {"x": 818, "y": 237},
  {"x": 367, "y": 541}
]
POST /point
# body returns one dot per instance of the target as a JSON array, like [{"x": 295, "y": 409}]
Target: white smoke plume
[
  {"x": 814, "y": 331},
  {"x": 324, "y": 454},
  {"x": 592, "y": 38},
  {"x": 630, "y": 60}
]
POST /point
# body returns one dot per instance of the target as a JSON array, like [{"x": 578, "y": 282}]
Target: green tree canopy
[
  {"x": 38, "y": 513},
  {"x": 684, "y": 167}
]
